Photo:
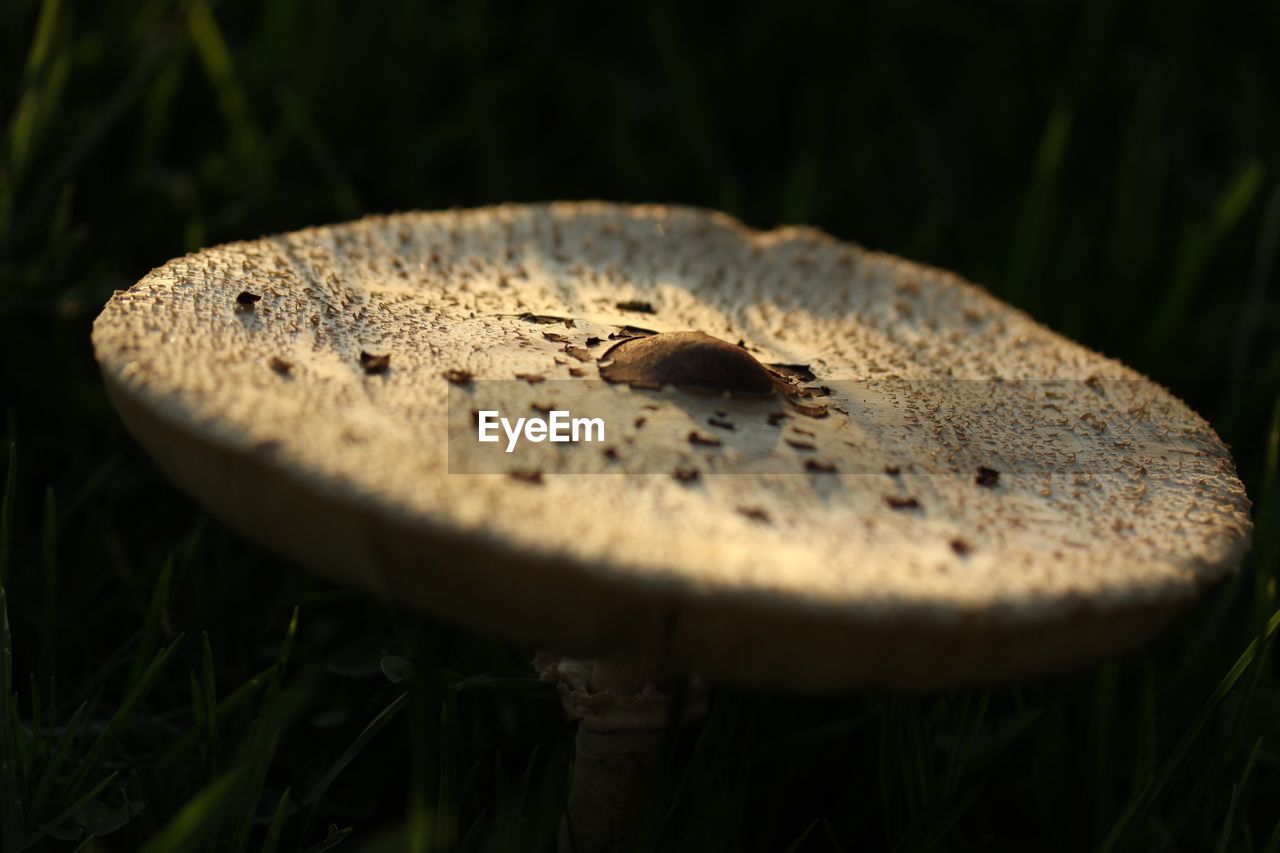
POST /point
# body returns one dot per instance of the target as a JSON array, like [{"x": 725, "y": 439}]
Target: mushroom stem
[
  {"x": 611, "y": 773},
  {"x": 623, "y": 715}
]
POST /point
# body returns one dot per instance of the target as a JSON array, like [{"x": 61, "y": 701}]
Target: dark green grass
[{"x": 1114, "y": 168}]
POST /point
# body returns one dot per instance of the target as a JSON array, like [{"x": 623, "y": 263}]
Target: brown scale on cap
[
  {"x": 686, "y": 473},
  {"x": 375, "y": 364},
  {"x": 696, "y": 437}
]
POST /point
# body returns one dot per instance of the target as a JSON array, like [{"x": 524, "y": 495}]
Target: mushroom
[{"x": 921, "y": 488}]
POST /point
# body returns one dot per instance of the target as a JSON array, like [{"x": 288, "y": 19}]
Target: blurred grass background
[{"x": 1112, "y": 167}]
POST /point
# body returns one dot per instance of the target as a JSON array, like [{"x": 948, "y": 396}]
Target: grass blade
[
  {"x": 150, "y": 638},
  {"x": 261, "y": 745},
  {"x": 11, "y": 824},
  {"x": 1038, "y": 203},
  {"x": 1224, "y": 841},
  {"x": 55, "y": 760},
  {"x": 333, "y": 839},
  {"x": 1273, "y": 843},
  {"x": 196, "y": 818},
  {"x": 49, "y": 586},
  {"x": 1198, "y": 251},
  {"x": 272, "y": 842},
  {"x": 119, "y": 724},
  {"x": 219, "y": 67},
  {"x": 251, "y": 792},
  {"x": 210, "y": 714},
  {"x": 225, "y": 708},
  {"x": 362, "y": 740},
  {"x": 1150, "y": 793},
  {"x": 6, "y": 512},
  {"x": 40, "y": 743},
  {"x": 802, "y": 838},
  {"x": 10, "y": 783},
  {"x": 66, "y": 813}
]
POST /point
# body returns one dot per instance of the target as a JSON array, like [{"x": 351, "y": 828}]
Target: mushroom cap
[{"x": 953, "y": 494}]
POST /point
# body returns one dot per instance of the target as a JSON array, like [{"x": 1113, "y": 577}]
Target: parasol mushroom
[{"x": 846, "y": 470}]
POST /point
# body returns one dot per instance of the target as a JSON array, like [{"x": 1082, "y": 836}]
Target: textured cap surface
[{"x": 955, "y": 494}]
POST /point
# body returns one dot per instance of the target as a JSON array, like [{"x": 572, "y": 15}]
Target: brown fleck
[
  {"x": 800, "y": 443},
  {"x": 988, "y": 477},
  {"x": 794, "y": 372},
  {"x": 1094, "y": 382},
  {"x": 534, "y": 477},
  {"x": 776, "y": 418},
  {"x": 545, "y": 408},
  {"x": 577, "y": 371},
  {"x": 686, "y": 473},
  {"x": 819, "y": 466},
  {"x": 553, "y": 336},
  {"x": 961, "y": 547},
  {"x": 754, "y": 513},
  {"x": 803, "y": 431},
  {"x": 531, "y": 378},
  {"x": 892, "y": 470},
  {"x": 896, "y": 502},
  {"x": 809, "y": 411},
  {"x": 1094, "y": 421},
  {"x": 637, "y": 305},
  {"x": 374, "y": 364},
  {"x": 246, "y": 300},
  {"x": 580, "y": 353},
  {"x": 279, "y": 365},
  {"x": 611, "y": 454},
  {"x": 720, "y": 422},
  {"x": 457, "y": 376},
  {"x": 594, "y": 341},
  {"x": 544, "y": 319},
  {"x": 696, "y": 437},
  {"x": 625, "y": 332},
  {"x": 810, "y": 391}
]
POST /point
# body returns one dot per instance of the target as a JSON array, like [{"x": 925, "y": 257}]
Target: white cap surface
[{"x": 972, "y": 498}]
